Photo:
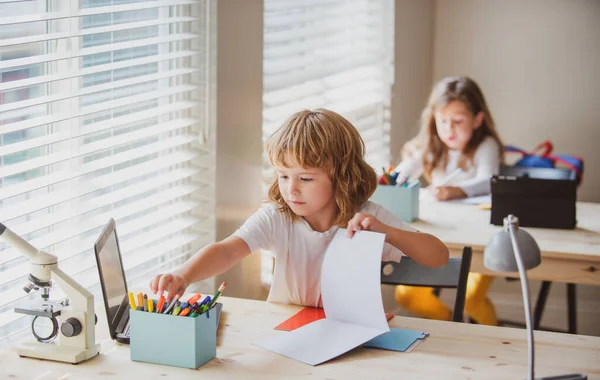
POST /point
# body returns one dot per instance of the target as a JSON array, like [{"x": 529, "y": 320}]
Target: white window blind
[
  {"x": 105, "y": 111},
  {"x": 334, "y": 54}
]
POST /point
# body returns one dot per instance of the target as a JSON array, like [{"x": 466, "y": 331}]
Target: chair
[{"x": 452, "y": 275}]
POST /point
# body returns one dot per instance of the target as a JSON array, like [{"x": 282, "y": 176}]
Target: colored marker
[
  {"x": 194, "y": 298},
  {"x": 161, "y": 302},
  {"x": 150, "y": 305},
  {"x": 217, "y": 294},
  {"x": 140, "y": 299},
  {"x": 205, "y": 301},
  {"x": 194, "y": 314},
  {"x": 145, "y": 302},
  {"x": 132, "y": 301},
  {"x": 177, "y": 308},
  {"x": 184, "y": 312},
  {"x": 175, "y": 299},
  {"x": 200, "y": 307},
  {"x": 389, "y": 179}
]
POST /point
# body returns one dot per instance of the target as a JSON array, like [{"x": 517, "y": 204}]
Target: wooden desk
[
  {"x": 571, "y": 256},
  {"x": 452, "y": 351}
]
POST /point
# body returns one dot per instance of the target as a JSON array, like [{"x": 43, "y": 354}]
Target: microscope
[{"x": 72, "y": 319}]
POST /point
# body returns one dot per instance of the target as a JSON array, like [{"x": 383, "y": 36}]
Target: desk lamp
[{"x": 513, "y": 249}]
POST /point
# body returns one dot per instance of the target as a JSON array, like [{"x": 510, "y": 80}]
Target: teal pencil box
[
  {"x": 402, "y": 201},
  {"x": 174, "y": 340}
]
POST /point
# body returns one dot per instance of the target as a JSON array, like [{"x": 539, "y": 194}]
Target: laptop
[{"x": 113, "y": 282}]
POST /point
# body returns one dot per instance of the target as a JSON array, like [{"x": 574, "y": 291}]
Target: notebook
[{"x": 397, "y": 340}]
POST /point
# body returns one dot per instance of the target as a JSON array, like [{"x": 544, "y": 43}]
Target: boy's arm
[
  {"x": 214, "y": 259},
  {"x": 425, "y": 249},
  {"x": 211, "y": 260}
]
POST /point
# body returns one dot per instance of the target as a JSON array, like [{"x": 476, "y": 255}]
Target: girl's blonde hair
[
  {"x": 326, "y": 140},
  {"x": 450, "y": 89}
]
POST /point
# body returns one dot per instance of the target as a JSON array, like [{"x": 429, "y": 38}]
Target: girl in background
[{"x": 457, "y": 150}]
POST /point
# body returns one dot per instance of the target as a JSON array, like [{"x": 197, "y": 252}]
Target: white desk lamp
[
  {"x": 511, "y": 250},
  {"x": 75, "y": 315}
]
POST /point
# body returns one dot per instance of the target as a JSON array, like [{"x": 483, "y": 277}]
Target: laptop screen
[{"x": 112, "y": 276}]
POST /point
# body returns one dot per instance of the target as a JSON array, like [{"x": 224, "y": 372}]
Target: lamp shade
[{"x": 499, "y": 255}]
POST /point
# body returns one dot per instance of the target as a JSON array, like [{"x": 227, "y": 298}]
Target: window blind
[
  {"x": 334, "y": 54},
  {"x": 105, "y": 111}
]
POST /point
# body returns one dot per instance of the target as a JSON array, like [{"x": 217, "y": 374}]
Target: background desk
[
  {"x": 571, "y": 256},
  {"x": 453, "y": 351}
]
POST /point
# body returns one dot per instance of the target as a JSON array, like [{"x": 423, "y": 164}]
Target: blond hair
[
  {"x": 450, "y": 89},
  {"x": 323, "y": 139}
]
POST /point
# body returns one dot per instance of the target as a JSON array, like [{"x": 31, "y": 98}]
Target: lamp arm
[{"x": 527, "y": 303}]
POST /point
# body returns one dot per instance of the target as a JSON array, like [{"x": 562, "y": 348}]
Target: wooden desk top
[
  {"x": 458, "y": 225},
  {"x": 452, "y": 351}
]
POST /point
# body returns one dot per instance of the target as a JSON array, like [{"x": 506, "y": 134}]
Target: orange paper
[{"x": 306, "y": 316}]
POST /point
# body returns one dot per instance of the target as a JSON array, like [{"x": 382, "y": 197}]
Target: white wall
[
  {"x": 413, "y": 69},
  {"x": 239, "y": 132},
  {"x": 538, "y": 63}
]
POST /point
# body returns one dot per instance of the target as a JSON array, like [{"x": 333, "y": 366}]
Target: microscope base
[{"x": 51, "y": 351}]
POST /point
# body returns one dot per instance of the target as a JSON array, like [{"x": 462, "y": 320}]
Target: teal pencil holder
[
  {"x": 402, "y": 201},
  {"x": 173, "y": 340}
]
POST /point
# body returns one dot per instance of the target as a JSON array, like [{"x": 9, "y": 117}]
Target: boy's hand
[
  {"x": 445, "y": 193},
  {"x": 363, "y": 221},
  {"x": 174, "y": 283}
]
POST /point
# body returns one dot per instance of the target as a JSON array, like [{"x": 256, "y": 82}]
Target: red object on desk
[{"x": 306, "y": 316}]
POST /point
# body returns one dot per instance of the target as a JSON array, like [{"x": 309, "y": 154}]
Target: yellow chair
[
  {"x": 421, "y": 279},
  {"x": 423, "y": 302}
]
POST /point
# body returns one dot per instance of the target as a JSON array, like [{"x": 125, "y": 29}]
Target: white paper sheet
[
  {"x": 351, "y": 292},
  {"x": 319, "y": 341},
  {"x": 482, "y": 199},
  {"x": 351, "y": 279},
  {"x": 425, "y": 195}
]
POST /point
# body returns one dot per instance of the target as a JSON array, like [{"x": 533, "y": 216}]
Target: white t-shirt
[
  {"x": 474, "y": 181},
  {"x": 299, "y": 251}
]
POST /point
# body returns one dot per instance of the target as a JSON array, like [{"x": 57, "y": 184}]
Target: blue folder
[{"x": 396, "y": 339}]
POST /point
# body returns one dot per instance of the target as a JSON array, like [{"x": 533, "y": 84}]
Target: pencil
[
  {"x": 217, "y": 294},
  {"x": 451, "y": 177}
]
